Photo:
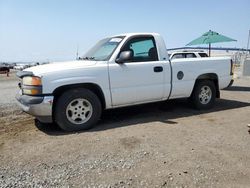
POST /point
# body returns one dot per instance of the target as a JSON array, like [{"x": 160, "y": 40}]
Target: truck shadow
[
  {"x": 238, "y": 88},
  {"x": 165, "y": 112}
]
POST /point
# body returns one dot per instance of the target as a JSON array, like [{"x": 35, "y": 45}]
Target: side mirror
[{"x": 124, "y": 56}]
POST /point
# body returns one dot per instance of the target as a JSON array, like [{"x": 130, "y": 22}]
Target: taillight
[{"x": 231, "y": 68}]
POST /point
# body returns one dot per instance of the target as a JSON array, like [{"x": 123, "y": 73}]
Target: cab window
[
  {"x": 178, "y": 56},
  {"x": 142, "y": 48},
  {"x": 203, "y": 54},
  {"x": 190, "y": 55}
]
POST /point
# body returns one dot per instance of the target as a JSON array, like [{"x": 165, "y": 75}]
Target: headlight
[
  {"x": 32, "y": 81},
  {"x": 31, "y": 85}
]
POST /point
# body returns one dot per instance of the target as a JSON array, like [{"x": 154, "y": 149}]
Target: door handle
[{"x": 158, "y": 69}]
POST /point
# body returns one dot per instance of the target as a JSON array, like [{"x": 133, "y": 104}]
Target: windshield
[{"x": 103, "y": 50}]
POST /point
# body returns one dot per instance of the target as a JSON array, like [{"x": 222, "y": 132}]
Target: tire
[
  {"x": 77, "y": 109},
  {"x": 203, "y": 96}
]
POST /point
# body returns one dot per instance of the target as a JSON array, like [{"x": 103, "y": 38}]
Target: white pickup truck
[{"x": 122, "y": 70}]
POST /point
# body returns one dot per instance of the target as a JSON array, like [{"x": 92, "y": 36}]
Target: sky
[{"x": 51, "y": 30}]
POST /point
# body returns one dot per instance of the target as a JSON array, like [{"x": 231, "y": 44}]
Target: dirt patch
[
  {"x": 130, "y": 142},
  {"x": 156, "y": 145}
]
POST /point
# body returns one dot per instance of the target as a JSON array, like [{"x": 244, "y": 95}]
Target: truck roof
[
  {"x": 189, "y": 51},
  {"x": 133, "y": 34}
]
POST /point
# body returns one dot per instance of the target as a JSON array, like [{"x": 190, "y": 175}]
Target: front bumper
[{"x": 38, "y": 106}]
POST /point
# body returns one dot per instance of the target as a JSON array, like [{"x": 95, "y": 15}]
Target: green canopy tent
[{"x": 209, "y": 38}]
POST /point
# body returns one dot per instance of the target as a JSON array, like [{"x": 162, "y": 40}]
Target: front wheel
[
  {"x": 203, "y": 96},
  {"x": 77, "y": 109}
]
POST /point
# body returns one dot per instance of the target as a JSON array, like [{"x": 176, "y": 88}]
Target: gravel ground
[{"x": 156, "y": 145}]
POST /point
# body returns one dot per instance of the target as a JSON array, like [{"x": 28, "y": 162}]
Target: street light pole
[{"x": 248, "y": 41}]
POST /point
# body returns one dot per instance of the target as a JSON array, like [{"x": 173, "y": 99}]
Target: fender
[
  {"x": 98, "y": 86},
  {"x": 91, "y": 86},
  {"x": 209, "y": 76}
]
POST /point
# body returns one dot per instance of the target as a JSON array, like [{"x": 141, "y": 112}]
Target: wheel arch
[
  {"x": 91, "y": 86},
  {"x": 209, "y": 76}
]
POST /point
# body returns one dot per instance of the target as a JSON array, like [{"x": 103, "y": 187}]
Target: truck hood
[{"x": 59, "y": 66}]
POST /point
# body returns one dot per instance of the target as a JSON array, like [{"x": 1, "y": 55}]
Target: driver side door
[{"x": 141, "y": 79}]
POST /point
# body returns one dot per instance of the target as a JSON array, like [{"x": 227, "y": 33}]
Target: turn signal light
[
  {"x": 32, "y": 81},
  {"x": 33, "y": 91}
]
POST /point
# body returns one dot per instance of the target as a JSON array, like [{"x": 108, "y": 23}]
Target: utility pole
[
  {"x": 245, "y": 58},
  {"x": 248, "y": 41}
]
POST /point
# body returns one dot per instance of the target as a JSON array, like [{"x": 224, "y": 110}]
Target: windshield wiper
[{"x": 86, "y": 58}]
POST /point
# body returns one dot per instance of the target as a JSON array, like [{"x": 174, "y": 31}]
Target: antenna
[{"x": 77, "y": 48}]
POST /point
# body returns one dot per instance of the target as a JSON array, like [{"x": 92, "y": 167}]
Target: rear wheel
[
  {"x": 77, "y": 109},
  {"x": 203, "y": 96}
]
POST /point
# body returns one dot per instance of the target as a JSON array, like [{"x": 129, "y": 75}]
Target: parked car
[
  {"x": 122, "y": 70},
  {"x": 9, "y": 65},
  {"x": 188, "y": 54},
  {"x": 21, "y": 66},
  {"x": 4, "y": 70}
]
